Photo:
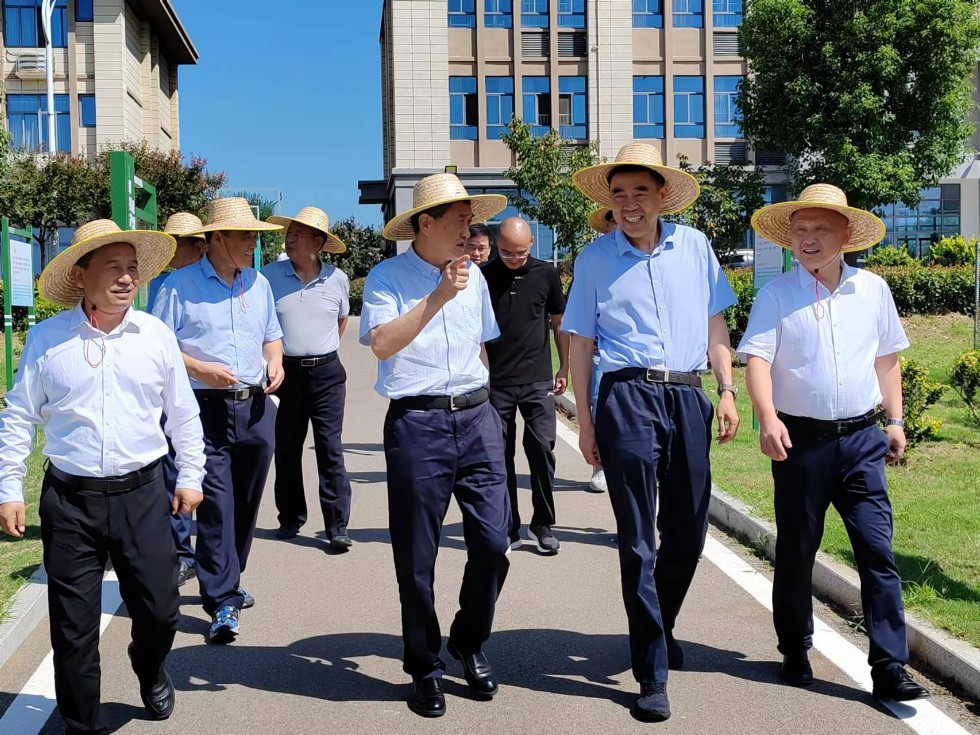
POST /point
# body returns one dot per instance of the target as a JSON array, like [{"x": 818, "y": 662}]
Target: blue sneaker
[
  {"x": 224, "y": 625},
  {"x": 249, "y": 600}
]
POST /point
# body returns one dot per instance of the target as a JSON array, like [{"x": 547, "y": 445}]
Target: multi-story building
[
  {"x": 115, "y": 73},
  {"x": 611, "y": 71}
]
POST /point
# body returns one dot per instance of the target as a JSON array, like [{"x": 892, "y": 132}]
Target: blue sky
[{"x": 286, "y": 94}]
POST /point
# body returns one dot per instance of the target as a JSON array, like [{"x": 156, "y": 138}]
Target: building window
[
  {"x": 544, "y": 237},
  {"x": 534, "y": 13},
  {"x": 917, "y": 229},
  {"x": 573, "y": 112},
  {"x": 500, "y": 105},
  {"x": 462, "y": 13},
  {"x": 498, "y": 13},
  {"x": 688, "y": 107},
  {"x": 727, "y": 13},
  {"x": 84, "y": 10},
  {"x": 22, "y": 24},
  {"x": 537, "y": 104},
  {"x": 648, "y": 107},
  {"x": 688, "y": 13},
  {"x": 571, "y": 13},
  {"x": 28, "y": 124},
  {"x": 463, "y": 108},
  {"x": 726, "y": 91},
  {"x": 648, "y": 14},
  {"x": 86, "y": 108}
]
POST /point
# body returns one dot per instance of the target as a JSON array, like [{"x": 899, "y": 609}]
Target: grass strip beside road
[{"x": 19, "y": 558}]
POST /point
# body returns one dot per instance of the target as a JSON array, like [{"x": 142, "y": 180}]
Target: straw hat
[
  {"x": 317, "y": 219},
  {"x": 773, "y": 222},
  {"x": 602, "y": 221},
  {"x": 184, "y": 224},
  {"x": 153, "y": 251},
  {"x": 442, "y": 189},
  {"x": 681, "y": 188},
  {"x": 233, "y": 213}
]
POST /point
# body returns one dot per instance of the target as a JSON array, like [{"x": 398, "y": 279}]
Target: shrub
[
  {"x": 933, "y": 290},
  {"x": 918, "y": 394},
  {"x": 965, "y": 380},
  {"x": 737, "y": 316},
  {"x": 953, "y": 251},
  {"x": 356, "y": 296},
  {"x": 887, "y": 256}
]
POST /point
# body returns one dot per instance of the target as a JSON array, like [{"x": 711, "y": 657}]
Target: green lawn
[{"x": 935, "y": 495}]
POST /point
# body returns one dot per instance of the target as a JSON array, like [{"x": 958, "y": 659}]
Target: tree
[
  {"x": 272, "y": 242},
  {"x": 730, "y": 193},
  {"x": 871, "y": 96},
  {"x": 543, "y": 175},
  {"x": 365, "y": 248},
  {"x": 4, "y": 139}
]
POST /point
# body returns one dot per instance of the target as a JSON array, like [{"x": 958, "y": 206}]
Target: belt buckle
[
  {"x": 308, "y": 362},
  {"x": 452, "y": 404},
  {"x": 241, "y": 394}
]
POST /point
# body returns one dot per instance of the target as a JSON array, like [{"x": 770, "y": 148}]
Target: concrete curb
[
  {"x": 947, "y": 656},
  {"x": 27, "y": 609}
]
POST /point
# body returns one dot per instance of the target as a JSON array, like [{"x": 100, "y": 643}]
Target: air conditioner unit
[{"x": 30, "y": 66}]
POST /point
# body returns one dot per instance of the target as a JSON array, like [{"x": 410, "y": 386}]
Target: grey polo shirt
[{"x": 308, "y": 313}]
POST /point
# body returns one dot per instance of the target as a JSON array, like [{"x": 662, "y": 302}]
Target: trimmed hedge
[
  {"x": 933, "y": 290},
  {"x": 356, "y": 296}
]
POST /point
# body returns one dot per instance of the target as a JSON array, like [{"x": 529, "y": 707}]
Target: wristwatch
[
  {"x": 733, "y": 389},
  {"x": 895, "y": 422}
]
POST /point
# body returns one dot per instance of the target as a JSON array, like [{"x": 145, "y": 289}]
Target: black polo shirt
[{"x": 523, "y": 300}]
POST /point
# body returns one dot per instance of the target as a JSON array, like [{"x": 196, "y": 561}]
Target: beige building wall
[{"x": 613, "y": 46}]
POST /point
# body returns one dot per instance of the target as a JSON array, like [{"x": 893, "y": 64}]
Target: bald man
[{"x": 528, "y": 302}]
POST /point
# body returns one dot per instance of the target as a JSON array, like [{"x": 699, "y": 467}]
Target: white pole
[{"x": 47, "y": 10}]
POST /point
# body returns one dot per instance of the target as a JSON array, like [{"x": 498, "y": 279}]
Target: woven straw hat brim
[
  {"x": 183, "y": 224},
  {"x": 153, "y": 253},
  {"x": 773, "y": 223},
  {"x": 333, "y": 243},
  {"x": 682, "y": 188},
  {"x": 484, "y": 206},
  {"x": 237, "y": 225},
  {"x": 599, "y": 223}
]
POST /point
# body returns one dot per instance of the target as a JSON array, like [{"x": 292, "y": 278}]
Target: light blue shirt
[
  {"x": 309, "y": 312},
  {"x": 154, "y": 288},
  {"x": 648, "y": 310},
  {"x": 215, "y": 322},
  {"x": 445, "y": 358}
]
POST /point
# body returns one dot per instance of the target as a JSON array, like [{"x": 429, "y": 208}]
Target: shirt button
[{"x": 661, "y": 307}]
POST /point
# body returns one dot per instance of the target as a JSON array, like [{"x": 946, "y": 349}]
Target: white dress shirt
[
  {"x": 823, "y": 352},
  {"x": 101, "y": 421}
]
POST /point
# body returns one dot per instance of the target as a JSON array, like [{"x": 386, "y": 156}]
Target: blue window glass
[
  {"x": 22, "y": 24},
  {"x": 726, "y": 91},
  {"x": 573, "y": 113},
  {"x": 537, "y": 104},
  {"x": 689, "y": 13},
  {"x": 28, "y": 124},
  {"x": 727, "y": 13},
  {"x": 462, "y": 13},
  {"x": 500, "y": 105},
  {"x": 463, "y": 110},
  {"x": 571, "y": 13},
  {"x": 648, "y": 14},
  {"x": 534, "y": 13},
  {"x": 648, "y": 107},
  {"x": 84, "y": 10},
  {"x": 86, "y": 108},
  {"x": 498, "y": 13},
  {"x": 688, "y": 107}
]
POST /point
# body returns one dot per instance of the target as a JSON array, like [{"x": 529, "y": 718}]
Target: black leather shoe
[
  {"x": 427, "y": 699},
  {"x": 675, "y": 655},
  {"x": 652, "y": 704},
  {"x": 287, "y": 532},
  {"x": 796, "y": 670},
  {"x": 186, "y": 571},
  {"x": 478, "y": 672},
  {"x": 896, "y": 684},
  {"x": 340, "y": 542},
  {"x": 160, "y": 698}
]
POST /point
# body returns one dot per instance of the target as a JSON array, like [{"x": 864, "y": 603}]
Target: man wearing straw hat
[
  {"x": 99, "y": 378},
  {"x": 427, "y": 315},
  {"x": 822, "y": 345},
  {"x": 312, "y": 302},
  {"x": 190, "y": 249},
  {"x": 652, "y": 293},
  {"x": 224, "y": 316}
]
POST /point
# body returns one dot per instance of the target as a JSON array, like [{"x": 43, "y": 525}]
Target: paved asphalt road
[{"x": 320, "y": 650}]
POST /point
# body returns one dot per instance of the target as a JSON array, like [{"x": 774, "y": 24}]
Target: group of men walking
[{"x": 154, "y": 416}]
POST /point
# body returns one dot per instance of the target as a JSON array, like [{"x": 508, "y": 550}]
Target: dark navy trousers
[
  {"x": 239, "y": 440},
  {"x": 180, "y": 525},
  {"x": 654, "y": 441},
  {"x": 847, "y": 472},
  {"x": 432, "y": 456},
  {"x": 312, "y": 394}
]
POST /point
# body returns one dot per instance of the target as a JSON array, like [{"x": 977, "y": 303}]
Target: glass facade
[
  {"x": 917, "y": 228},
  {"x": 544, "y": 237}
]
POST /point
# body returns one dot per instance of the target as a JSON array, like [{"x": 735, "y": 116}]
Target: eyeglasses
[{"x": 293, "y": 237}]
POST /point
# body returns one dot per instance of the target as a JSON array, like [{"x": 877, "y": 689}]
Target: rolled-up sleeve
[
  {"x": 581, "y": 308},
  {"x": 344, "y": 295},
  {"x": 761, "y": 338},
  {"x": 380, "y": 305},
  {"x": 183, "y": 422},
  {"x": 891, "y": 333},
  {"x": 720, "y": 294},
  {"x": 18, "y": 421}
]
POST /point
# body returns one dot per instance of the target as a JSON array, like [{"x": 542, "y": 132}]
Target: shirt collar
[
  {"x": 291, "y": 270},
  {"x": 807, "y": 279},
  {"x": 426, "y": 269},
  {"x": 667, "y": 232},
  {"x": 78, "y": 319}
]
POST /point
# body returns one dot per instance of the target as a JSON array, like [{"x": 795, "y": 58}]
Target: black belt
[
  {"x": 234, "y": 394},
  {"x": 839, "y": 428},
  {"x": 310, "y": 361},
  {"x": 453, "y": 403},
  {"x": 109, "y": 485},
  {"x": 657, "y": 375}
]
